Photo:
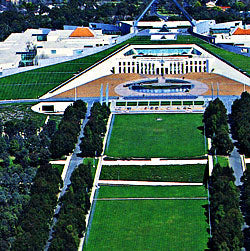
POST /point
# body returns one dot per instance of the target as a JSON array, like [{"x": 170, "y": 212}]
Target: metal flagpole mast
[
  {"x": 101, "y": 94},
  {"x": 107, "y": 94},
  {"x": 212, "y": 91}
]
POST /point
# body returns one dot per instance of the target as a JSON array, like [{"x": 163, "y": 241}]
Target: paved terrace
[
  {"x": 154, "y": 162},
  {"x": 211, "y": 81}
]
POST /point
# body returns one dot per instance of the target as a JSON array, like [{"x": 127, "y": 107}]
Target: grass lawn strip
[
  {"x": 222, "y": 160},
  {"x": 93, "y": 162},
  {"x": 149, "y": 225},
  {"x": 151, "y": 192},
  {"x": 59, "y": 167},
  {"x": 175, "y": 136},
  {"x": 175, "y": 173}
]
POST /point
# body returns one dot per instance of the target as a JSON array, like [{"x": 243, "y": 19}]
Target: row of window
[
  {"x": 128, "y": 63},
  {"x": 172, "y": 69}
]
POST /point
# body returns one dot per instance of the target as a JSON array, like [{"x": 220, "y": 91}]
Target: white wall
[
  {"x": 226, "y": 70},
  {"x": 59, "y": 107},
  {"x": 167, "y": 37}
]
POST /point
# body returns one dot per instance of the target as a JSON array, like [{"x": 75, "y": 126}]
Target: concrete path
[
  {"x": 247, "y": 160},
  {"x": 236, "y": 164},
  {"x": 74, "y": 162},
  {"x": 146, "y": 183},
  {"x": 57, "y": 162},
  {"x": 153, "y": 162}
]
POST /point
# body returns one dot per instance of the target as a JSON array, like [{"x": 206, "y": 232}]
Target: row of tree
[
  {"x": 240, "y": 125},
  {"x": 33, "y": 224},
  {"x": 240, "y": 122},
  {"x": 94, "y": 131},
  {"x": 64, "y": 140},
  {"x": 245, "y": 206},
  {"x": 22, "y": 150},
  {"x": 216, "y": 127},
  {"x": 75, "y": 204},
  {"x": 226, "y": 217}
]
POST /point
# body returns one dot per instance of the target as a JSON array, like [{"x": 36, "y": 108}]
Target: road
[{"x": 74, "y": 162}]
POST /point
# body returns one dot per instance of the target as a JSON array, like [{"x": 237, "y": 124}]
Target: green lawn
[
  {"x": 178, "y": 173},
  {"x": 175, "y": 136},
  {"x": 93, "y": 162},
  {"x": 222, "y": 160},
  {"x": 148, "y": 225},
  {"x": 151, "y": 191},
  {"x": 58, "y": 167}
]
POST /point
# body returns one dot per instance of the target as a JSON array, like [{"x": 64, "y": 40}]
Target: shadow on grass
[{"x": 206, "y": 213}]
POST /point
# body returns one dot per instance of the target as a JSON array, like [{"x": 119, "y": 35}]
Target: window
[
  {"x": 53, "y": 51},
  {"x": 48, "y": 108}
]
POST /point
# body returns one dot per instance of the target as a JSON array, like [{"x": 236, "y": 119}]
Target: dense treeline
[
  {"x": 75, "y": 204},
  {"x": 94, "y": 131},
  {"x": 64, "y": 140},
  {"x": 240, "y": 122},
  {"x": 216, "y": 127},
  {"x": 74, "y": 12},
  {"x": 28, "y": 184},
  {"x": 226, "y": 217},
  {"x": 22, "y": 150},
  {"x": 245, "y": 206},
  {"x": 33, "y": 228}
]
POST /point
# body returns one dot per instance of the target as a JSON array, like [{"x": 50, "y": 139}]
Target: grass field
[
  {"x": 148, "y": 225},
  {"x": 58, "y": 167},
  {"x": 222, "y": 160},
  {"x": 178, "y": 173},
  {"x": 151, "y": 191},
  {"x": 175, "y": 136}
]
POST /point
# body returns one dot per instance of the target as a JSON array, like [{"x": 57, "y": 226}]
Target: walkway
[
  {"x": 74, "y": 162},
  {"x": 145, "y": 183},
  {"x": 235, "y": 163},
  {"x": 154, "y": 162}
]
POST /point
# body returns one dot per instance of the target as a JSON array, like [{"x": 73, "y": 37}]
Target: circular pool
[{"x": 160, "y": 86}]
